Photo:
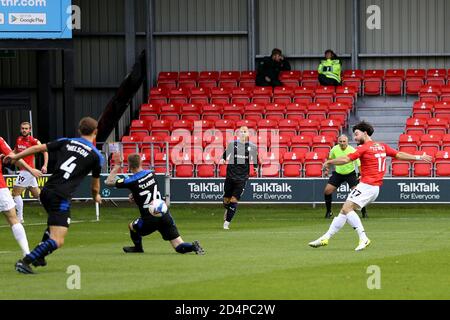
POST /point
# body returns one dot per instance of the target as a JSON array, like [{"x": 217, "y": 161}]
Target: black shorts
[
  {"x": 234, "y": 188},
  {"x": 165, "y": 225},
  {"x": 57, "y": 207},
  {"x": 337, "y": 179}
]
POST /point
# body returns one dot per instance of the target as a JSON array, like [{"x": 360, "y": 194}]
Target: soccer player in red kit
[
  {"x": 7, "y": 205},
  {"x": 373, "y": 166},
  {"x": 25, "y": 180}
]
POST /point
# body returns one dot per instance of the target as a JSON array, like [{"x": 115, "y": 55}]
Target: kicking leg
[{"x": 185, "y": 247}]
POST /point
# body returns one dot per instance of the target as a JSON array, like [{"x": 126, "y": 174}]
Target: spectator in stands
[
  {"x": 330, "y": 70},
  {"x": 269, "y": 69}
]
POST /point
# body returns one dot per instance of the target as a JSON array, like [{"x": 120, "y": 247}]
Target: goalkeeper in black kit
[{"x": 240, "y": 154}]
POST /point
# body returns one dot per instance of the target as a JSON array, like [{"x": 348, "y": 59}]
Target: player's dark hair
[
  {"x": 364, "y": 127},
  {"x": 276, "y": 51},
  {"x": 134, "y": 161},
  {"x": 87, "y": 126}
]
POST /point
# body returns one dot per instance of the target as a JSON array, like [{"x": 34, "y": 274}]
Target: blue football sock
[
  {"x": 42, "y": 250},
  {"x": 137, "y": 239}
]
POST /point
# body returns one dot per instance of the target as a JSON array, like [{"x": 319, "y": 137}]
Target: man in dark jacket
[{"x": 269, "y": 69}]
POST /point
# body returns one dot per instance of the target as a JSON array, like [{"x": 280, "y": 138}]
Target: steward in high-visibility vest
[{"x": 330, "y": 70}]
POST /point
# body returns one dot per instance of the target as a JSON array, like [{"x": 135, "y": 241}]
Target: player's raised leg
[{"x": 185, "y": 247}]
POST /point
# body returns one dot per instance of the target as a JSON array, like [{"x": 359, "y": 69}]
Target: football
[{"x": 157, "y": 208}]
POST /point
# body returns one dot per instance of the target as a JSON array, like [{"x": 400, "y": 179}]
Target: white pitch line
[
  {"x": 44, "y": 223},
  {"x": 5, "y": 252}
]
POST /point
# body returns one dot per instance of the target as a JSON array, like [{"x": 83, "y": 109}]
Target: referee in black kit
[{"x": 240, "y": 154}]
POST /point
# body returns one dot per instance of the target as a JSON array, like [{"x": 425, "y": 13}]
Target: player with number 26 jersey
[
  {"x": 144, "y": 189},
  {"x": 373, "y": 161}
]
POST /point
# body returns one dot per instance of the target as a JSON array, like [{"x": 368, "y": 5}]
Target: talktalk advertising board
[{"x": 35, "y": 19}]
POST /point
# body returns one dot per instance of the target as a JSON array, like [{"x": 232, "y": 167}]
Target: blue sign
[{"x": 35, "y": 19}]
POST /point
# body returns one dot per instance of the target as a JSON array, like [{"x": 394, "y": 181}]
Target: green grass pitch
[{"x": 264, "y": 256}]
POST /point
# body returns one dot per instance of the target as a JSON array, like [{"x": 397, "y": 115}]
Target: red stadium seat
[
  {"x": 442, "y": 110},
  {"x": 401, "y": 168},
  {"x": 188, "y": 79},
  {"x": 220, "y": 95},
  {"x": 139, "y": 128},
  {"x": 301, "y": 143},
  {"x": 275, "y": 111},
  {"x": 322, "y": 144},
  {"x": 229, "y": 79},
  {"x": 415, "y": 126},
  {"x": 317, "y": 111},
  {"x": 303, "y": 95},
  {"x": 170, "y": 112},
  {"x": 254, "y": 111},
  {"x": 161, "y": 164},
  {"x": 200, "y": 95},
  {"x": 233, "y": 111},
  {"x": 283, "y": 95},
  {"x": 179, "y": 95},
  {"x": 408, "y": 143},
  {"x": 442, "y": 164},
  {"x": 149, "y": 112},
  {"x": 250, "y": 124},
  {"x": 247, "y": 79},
  {"x": 167, "y": 80},
  {"x": 415, "y": 78},
  {"x": 330, "y": 127},
  {"x": 183, "y": 125},
  {"x": 191, "y": 112},
  {"x": 131, "y": 144},
  {"x": 308, "y": 127},
  {"x": 313, "y": 164},
  {"x": 429, "y": 93},
  {"x": 267, "y": 124},
  {"x": 208, "y": 79},
  {"x": 241, "y": 95},
  {"x": 262, "y": 95},
  {"x": 324, "y": 94},
  {"x": 393, "y": 81},
  {"x": 161, "y": 128},
  {"x": 288, "y": 127},
  {"x": 436, "y": 77},
  {"x": 437, "y": 126},
  {"x": 225, "y": 125},
  {"x": 422, "y": 109},
  {"x": 345, "y": 94},
  {"x": 353, "y": 78},
  {"x": 158, "y": 96},
  {"x": 290, "y": 79},
  {"x": 310, "y": 79},
  {"x": 156, "y": 141},
  {"x": 296, "y": 111},
  {"x": 445, "y": 92},
  {"x": 373, "y": 82},
  {"x": 422, "y": 168},
  {"x": 292, "y": 165},
  {"x": 212, "y": 112},
  {"x": 430, "y": 143}
]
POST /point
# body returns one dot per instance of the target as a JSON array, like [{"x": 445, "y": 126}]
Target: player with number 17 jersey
[{"x": 373, "y": 161}]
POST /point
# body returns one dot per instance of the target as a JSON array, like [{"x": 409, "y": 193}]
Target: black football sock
[
  {"x": 184, "y": 247},
  {"x": 328, "y": 200},
  {"x": 137, "y": 239},
  {"x": 231, "y": 211}
]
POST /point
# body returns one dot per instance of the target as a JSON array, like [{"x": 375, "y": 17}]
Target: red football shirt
[
  {"x": 23, "y": 143},
  {"x": 4, "y": 150},
  {"x": 373, "y": 161}
]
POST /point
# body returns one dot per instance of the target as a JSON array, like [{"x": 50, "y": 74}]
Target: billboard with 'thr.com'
[{"x": 35, "y": 19}]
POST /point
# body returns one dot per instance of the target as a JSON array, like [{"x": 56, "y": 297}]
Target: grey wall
[
  {"x": 307, "y": 27},
  {"x": 201, "y": 52}
]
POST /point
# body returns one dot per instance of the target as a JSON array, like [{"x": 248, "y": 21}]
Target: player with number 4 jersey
[
  {"x": 373, "y": 167},
  {"x": 75, "y": 159},
  {"x": 155, "y": 215}
]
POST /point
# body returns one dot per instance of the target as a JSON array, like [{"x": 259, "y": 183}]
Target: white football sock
[
  {"x": 336, "y": 225},
  {"x": 354, "y": 220},
  {"x": 21, "y": 237},
  {"x": 19, "y": 207}
]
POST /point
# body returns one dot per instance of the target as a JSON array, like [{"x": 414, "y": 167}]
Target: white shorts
[
  {"x": 363, "y": 194},
  {"x": 26, "y": 180},
  {"x": 6, "y": 201}
]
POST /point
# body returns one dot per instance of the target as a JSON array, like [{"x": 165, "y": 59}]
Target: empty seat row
[{"x": 256, "y": 95}]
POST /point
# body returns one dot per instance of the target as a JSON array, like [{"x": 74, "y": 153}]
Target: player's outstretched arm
[
  {"x": 45, "y": 153},
  {"x": 411, "y": 157},
  {"x": 22, "y": 164},
  {"x": 111, "y": 180},
  {"x": 27, "y": 152}
]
